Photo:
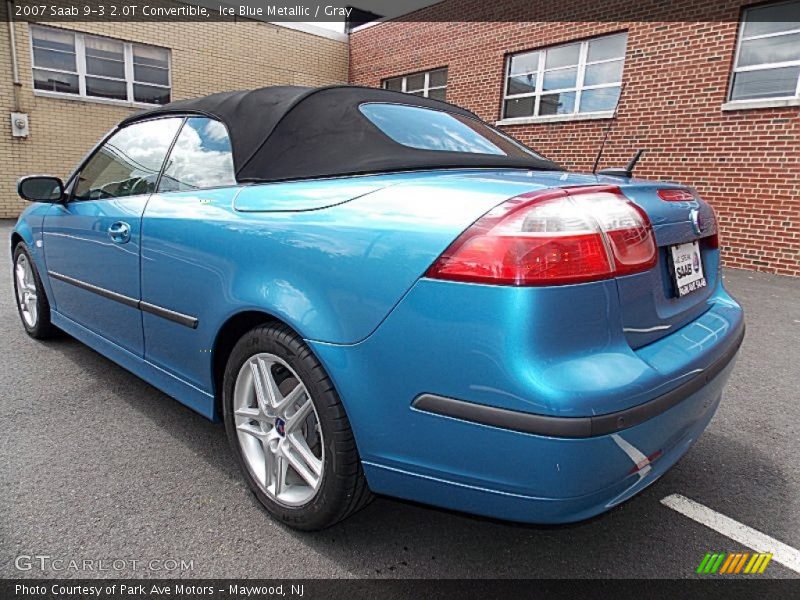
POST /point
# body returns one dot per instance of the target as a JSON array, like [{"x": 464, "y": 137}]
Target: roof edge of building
[{"x": 313, "y": 30}]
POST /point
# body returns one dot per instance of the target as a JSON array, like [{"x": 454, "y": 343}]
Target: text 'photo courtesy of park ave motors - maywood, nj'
[{"x": 159, "y": 590}]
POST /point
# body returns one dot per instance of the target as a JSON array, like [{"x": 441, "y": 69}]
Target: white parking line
[{"x": 760, "y": 542}]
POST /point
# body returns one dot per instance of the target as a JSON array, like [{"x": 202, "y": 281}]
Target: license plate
[{"x": 687, "y": 268}]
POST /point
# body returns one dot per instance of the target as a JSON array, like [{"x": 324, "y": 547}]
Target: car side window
[
  {"x": 129, "y": 162},
  {"x": 201, "y": 158}
]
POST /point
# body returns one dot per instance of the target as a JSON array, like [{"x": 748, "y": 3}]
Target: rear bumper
[
  {"x": 542, "y": 356},
  {"x": 673, "y": 432},
  {"x": 577, "y": 427}
]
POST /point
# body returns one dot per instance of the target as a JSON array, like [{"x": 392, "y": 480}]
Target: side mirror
[{"x": 41, "y": 188}]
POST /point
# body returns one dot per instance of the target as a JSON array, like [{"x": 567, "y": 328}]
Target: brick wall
[
  {"x": 206, "y": 57},
  {"x": 745, "y": 162}
]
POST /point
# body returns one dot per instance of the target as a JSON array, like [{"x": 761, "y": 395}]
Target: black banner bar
[
  {"x": 341, "y": 11},
  {"x": 352, "y": 589}
]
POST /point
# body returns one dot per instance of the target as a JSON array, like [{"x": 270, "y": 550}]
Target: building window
[
  {"x": 768, "y": 53},
  {"x": 430, "y": 84},
  {"x": 581, "y": 77},
  {"x": 98, "y": 67}
]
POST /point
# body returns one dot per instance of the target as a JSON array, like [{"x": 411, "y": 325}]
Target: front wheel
[
  {"x": 32, "y": 304},
  {"x": 289, "y": 431}
]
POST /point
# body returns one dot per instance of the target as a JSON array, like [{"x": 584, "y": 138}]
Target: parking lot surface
[{"x": 96, "y": 464}]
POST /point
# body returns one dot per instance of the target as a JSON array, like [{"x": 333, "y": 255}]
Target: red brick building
[{"x": 715, "y": 98}]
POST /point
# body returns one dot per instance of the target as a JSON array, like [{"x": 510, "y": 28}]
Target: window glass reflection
[
  {"x": 201, "y": 158},
  {"x": 129, "y": 162}
]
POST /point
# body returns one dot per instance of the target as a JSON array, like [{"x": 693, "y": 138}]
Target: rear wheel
[
  {"x": 32, "y": 304},
  {"x": 289, "y": 431}
]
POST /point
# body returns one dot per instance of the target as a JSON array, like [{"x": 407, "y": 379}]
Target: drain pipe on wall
[
  {"x": 19, "y": 121},
  {"x": 12, "y": 38}
]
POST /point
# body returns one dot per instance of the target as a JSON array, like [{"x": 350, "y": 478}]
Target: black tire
[
  {"x": 343, "y": 489},
  {"x": 42, "y": 328}
]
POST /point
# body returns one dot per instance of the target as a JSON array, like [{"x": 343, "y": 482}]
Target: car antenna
[
  {"x": 608, "y": 131},
  {"x": 626, "y": 171}
]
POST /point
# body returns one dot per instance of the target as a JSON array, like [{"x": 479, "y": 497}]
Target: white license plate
[{"x": 687, "y": 268}]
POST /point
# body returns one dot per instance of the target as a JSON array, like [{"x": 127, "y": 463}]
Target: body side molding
[{"x": 164, "y": 313}]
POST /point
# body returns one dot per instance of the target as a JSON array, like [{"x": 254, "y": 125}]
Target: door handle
[{"x": 120, "y": 232}]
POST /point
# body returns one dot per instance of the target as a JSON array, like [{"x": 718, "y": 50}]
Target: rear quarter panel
[{"x": 332, "y": 274}]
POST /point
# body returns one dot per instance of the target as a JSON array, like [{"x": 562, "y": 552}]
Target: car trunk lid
[{"x": 650, "y": 302}]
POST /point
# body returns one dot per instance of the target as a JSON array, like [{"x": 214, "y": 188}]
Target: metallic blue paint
[
  {"x": 78, "y": 243},
  {"x": 554, "y": 351},
  {"x": 342, "y": 261}
]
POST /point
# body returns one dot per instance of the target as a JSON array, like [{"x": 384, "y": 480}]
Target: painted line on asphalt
[{"x": 760, "y": 542}]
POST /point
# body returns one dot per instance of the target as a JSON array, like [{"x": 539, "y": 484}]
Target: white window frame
[
  {"x": 579, "y": 88},
  {"x": 767, "y": 101},
  {"x": 80, "y": 65},
  {"x": 425, "y": 89}
]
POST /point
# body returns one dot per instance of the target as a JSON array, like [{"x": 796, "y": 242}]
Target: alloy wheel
[
  {"x": 278, "y": 430},
  {"x": 26, "y": 291}
]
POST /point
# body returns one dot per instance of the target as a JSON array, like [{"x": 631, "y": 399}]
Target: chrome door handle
[{"x": 120, "y": 232}]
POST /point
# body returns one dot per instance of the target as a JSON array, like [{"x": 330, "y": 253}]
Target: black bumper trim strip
[
  {"x": 575, "y": 427},
  {"x": 164, "y": 313}
]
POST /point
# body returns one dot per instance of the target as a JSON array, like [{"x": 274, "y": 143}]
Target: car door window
[
  {"x": 129, "y": 162},
  {"x": 200, "y": 159}
]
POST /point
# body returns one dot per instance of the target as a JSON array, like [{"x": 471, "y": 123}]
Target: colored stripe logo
[{"x": 734, "y": 563}]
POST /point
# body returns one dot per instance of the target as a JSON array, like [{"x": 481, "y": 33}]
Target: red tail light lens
[
  {"x": 676, "y": 195},
  {"x": 713, "y": 241},
  {"x": 550, "y": 238}
]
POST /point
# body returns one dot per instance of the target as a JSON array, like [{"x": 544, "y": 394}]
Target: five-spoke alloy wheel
[
  {"x": 289, "y": 431},
  {"x": 278, "y": 430}
]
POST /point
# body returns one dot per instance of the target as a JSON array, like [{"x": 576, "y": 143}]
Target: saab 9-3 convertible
[{"x": 380, "y": 293}]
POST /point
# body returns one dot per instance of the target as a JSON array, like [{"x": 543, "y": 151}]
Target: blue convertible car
[{"x": 380, "y": 293}]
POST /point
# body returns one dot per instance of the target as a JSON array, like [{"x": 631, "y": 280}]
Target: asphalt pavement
[{"x": 97, "y": 465}]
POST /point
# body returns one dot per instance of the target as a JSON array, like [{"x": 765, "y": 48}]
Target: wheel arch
[
  {"x": 231, "y": 332},
  {"x": 16, "y": 238}
]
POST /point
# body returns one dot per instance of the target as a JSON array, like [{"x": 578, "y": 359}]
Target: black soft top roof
[{"x": 291, "y": 132}]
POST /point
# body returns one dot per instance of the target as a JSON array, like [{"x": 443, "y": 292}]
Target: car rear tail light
[
  {"x": 552, "y": 237},
  {"x": 676, "y": 195},
  {"x": 713, "y": 240}
]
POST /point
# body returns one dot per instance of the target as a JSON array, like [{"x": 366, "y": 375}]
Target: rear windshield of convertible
[{"x": 430, "y": 129}]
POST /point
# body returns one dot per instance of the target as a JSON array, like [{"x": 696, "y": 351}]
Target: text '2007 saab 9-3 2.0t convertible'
[{"x": 380, "y": 293}]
